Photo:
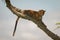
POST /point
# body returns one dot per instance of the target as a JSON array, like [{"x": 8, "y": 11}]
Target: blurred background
[{"x": 27, "y": 30}]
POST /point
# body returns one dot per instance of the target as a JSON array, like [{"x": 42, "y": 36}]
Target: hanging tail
[{"x": 15, "y": 26}]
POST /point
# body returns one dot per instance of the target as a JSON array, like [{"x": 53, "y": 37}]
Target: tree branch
[{"x": 42, "y": 26}]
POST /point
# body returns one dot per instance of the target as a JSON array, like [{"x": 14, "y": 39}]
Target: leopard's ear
[{"x": 41, "y": 12}]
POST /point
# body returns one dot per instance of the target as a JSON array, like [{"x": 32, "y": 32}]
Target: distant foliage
[{"x": 58, "y": 25}]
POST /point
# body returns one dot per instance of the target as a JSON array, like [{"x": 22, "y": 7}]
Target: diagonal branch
[
  {"x": 13, "y": 9},
  {"x": 42, "y": 26}
]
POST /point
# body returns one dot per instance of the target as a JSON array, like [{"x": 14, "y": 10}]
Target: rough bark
[
  {"x": 39, "y": 23},
  {"x": 42, "y": 26}
]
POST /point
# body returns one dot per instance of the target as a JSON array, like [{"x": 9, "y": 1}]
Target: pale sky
[{"x": 27, "y": 30}]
